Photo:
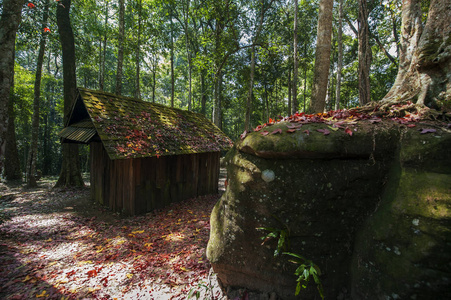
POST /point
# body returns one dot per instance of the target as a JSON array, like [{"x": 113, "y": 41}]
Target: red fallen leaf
[
  {"x": 348, "y": 131},
  {"x": 259, "y": 127},
  {"x": 92, "y": 273},
  {"x": 323, "y": 131},
  {"x": 277, "y": 131},
  {"x": 427, "y": 130},
  {"x": 307, "y": 132},
  {"x": 105, "y": 281},
  {"x": 68, "y": 274},
  {"x": 264, "y": 132},
  {"x": 243, "y": 135},
  {"x": 291, "y": 130},
  {"x": 411, "y": 125}
]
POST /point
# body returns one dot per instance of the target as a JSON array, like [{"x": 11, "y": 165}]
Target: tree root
[{"x": 403, "y": 109}]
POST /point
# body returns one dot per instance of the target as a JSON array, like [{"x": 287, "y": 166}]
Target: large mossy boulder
[{"x": 371, "y": 210}]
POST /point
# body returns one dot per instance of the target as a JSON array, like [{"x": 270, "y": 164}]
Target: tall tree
[
  {"x": 340, "y": 54},
  {"x": 294, "y": 101},
  {"x": 9, "y": 22},
  {"x": 425, "y": 56},
  {"x": 172, "y": 61},
  {"x": 138, "y": 52},
  {"x": 102, "y": 54},
  {"x": 33, "y": 153},
  {"x": 70, "y": 170},
  {"x": 120, "y": 51},
  {"x": 264, "y": 7},
  {"x": 322, "y": 56},
  {"x": 364, "y": 54},
  {"x": 12, "y": 163}
]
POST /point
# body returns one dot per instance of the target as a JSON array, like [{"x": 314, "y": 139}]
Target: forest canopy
[{"x": 217, "y": 58}]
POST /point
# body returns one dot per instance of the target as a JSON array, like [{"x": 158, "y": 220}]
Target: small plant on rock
[{"x": 306, "y": 269}]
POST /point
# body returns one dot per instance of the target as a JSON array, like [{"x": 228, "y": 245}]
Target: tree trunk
[
  {"x": 247, "y": 121},
  {"x": 425, "y": 57},
  {"x": 103, "y": 51},
  {"x": 154, "y": 77},
  {"x": 12, "y": 162},
  {"x": 340, "y": 54},
  {"x": 188, "y": 54},
  {"x": 304, "y": 92},
  {"x": 295, "y": 60},
  {"x": 322, "y": 56},
  {"x": 364, "y": 54},
  {"x": 120, "y": 51},
  {"x": 289, "y": 91},
  {"x": 172, "y": 65},
  {"x": 9, "y": 22},
  {"x": 138, "y": 52},
  {"x": 203, "y": 96},
  {"x": 70, "y": 170},
  {"x": 217, "y": 114},
  {"x": 32, "y": 155},
  {"x": 267, "y": 104}
]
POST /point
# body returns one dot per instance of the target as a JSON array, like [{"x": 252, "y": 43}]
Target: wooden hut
[{"x": 144, "y": 155}]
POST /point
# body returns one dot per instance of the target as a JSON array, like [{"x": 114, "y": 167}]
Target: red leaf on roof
[
  {"x": 307, "y": 132},
  {"x": 264, "y": 132},
  {"x": 291, "y": 130},
  {"x": 277, "y": 131}
]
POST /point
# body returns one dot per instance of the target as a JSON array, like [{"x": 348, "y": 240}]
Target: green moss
[{"x": 424, "y": 194}]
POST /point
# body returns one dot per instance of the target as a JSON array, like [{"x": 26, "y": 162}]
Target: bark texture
[
  {"x": 9, "y": 22},
  {"x": 340, "y": 54},
  {"x": 294, "y": 102},
  {"x": 322, "y": 56},
  {"x": 138, "y": 53},
  {"x": 12, "y": 163},
  {"x": 364, "y": 54},
  {"x": 424, "y": 74},
  {"x": 70, "y": 170}
]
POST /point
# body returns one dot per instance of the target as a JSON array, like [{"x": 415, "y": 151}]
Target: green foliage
[
  {"x": 196, "y": 291},
  {"x": 217, "y": 35},
  {"x": 305, "y": 271}
]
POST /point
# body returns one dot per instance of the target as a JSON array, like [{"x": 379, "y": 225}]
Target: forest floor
[{"x": 57, "y": 244}]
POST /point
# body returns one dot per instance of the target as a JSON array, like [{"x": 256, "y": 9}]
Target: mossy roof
[{"x": 132, "y": 128}]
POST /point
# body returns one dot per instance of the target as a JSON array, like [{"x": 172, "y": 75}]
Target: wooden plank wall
[{"x": 137, "y": 186}]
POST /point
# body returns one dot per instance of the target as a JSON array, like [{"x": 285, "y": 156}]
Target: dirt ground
[{"x": 57, "y": 244}]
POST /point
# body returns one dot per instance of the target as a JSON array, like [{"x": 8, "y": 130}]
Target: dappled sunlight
[{"x": 78, "y": 253}]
